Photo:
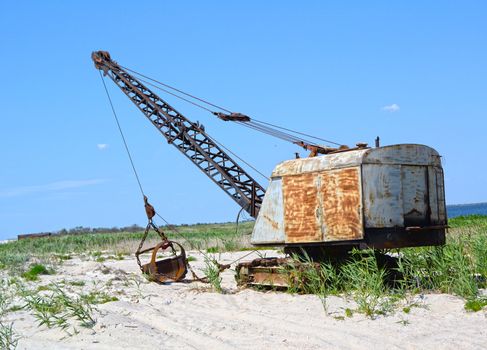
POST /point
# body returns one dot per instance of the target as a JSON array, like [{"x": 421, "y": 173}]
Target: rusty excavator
[{"x": 336, "y": 199}]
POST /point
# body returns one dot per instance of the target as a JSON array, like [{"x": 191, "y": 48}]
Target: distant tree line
[
  {"x": 83, "y": 229},
  {"x": 132, "y": 228}
]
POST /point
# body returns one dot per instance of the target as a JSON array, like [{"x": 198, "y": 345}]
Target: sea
[{"x": 466, "y": 209}]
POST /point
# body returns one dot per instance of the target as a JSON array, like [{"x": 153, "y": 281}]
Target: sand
[{"x": 188, "y": 316}]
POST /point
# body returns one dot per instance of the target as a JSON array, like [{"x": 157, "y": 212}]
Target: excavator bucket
[{"x": 170, "y": 268}]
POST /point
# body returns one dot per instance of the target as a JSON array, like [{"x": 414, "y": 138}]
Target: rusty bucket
[{"x": 172, "y": 268}]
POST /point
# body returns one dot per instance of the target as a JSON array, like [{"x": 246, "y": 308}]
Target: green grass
[
  {"x": 98, "y": 297},
  {"x": 64, "y": 257},
  {"x": 359, "y": 278},
  {"x": 212, "y": 273},
  {"x": 77, "y": 283},
  {"x": 16, "y": 254},
  {"x": 57, "y": 308},
  {"x": 33, "y": 273},
  {"x": 8, "y": 338},
  {"x": 458, "y": 268},
  {"x": 475, "y": 304},
  {"x": 477, "y": 221}
]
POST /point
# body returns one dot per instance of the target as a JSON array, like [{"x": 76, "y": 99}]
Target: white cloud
[
  {"x": 102, "y": 146},
  {"x": 391, "y": 108},
  {"x": 51, "y": 187}
]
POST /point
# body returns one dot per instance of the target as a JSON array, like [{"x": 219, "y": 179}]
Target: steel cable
[
  {"x": 294, "y": 138},
  {"x": 130, "y": 157},
  {"x": 122, "y": 135},
  {"x": 180, "y": 91},
  {"x": 170, "y": 226},
  {"x": 212, "y": 138}
]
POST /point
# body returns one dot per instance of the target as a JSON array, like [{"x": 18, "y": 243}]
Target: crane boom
[{"x": 188, "y": 137}]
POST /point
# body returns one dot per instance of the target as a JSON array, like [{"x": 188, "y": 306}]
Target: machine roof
[{"x": 402, "y": 154}]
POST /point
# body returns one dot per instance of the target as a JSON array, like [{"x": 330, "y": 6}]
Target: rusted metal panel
[
  {"x": 300, "y": 207},
  {"x": 414, "y": 195},
  {"x": 337, "y": 197},
  {"x": 342, "y": 204},
  {"x": 324, "y": 206},
  {"x": 382, "y": 193},
  {"x": 404, "y": 154},
  {"x": 269, "y": 226},
  {"x": 268, "y": 272}
]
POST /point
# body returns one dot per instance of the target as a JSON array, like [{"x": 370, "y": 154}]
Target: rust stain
[
  {"x": 300, "y": 201},
  {"x": 274, "y": 224},
  {"x": 342, "y": 204}
]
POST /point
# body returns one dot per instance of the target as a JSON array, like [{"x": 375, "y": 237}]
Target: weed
[
  {"x": 97, "y": 297},
  {"x": 77, "y": 283},
  {"x": 359, "y": 277},
  {"x": 212, "y": 273},
  {"x": 45, "y": 310},
  {"x": 460, "y": 267},
  {"x": 33, "y": 273},
  {"x": 231, "y": 244},
  {"x": 475, "y": 305},
  {"x": 4, "y": 302},
  {"x": 119, "y": 256},
  {"x": 16, "y": 254},
  {"x": 348, "y": 312},
  {"x": 448, "y": 269},
  {"x": 11, "y": 259},
  {"x": 191, "y": 258},
  {"x": 42, "y": 288},
  {"x": 306, "y": 276},
  {"x": 77, "y": 308},
  {"x": 63, "y": 257},
  {"x": 365, "y": 280},
  {"x": 15, "y": 308},
  {"x": 56, "y": 308},
  {"x": 8, "y": 338},
  {"x": 403, "y": 322},
  {"x": 138, "y": 283}
]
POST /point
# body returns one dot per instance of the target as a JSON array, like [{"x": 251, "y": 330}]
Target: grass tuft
[
  {"x": 212, "y": 272},
  {"x": 8, "y": 338},
  {"x": 475, "y": 304},
  {"x": 459, "y": 268},
  {"x": 33, "y": 273},
  {"x": 55, "y": 309}
]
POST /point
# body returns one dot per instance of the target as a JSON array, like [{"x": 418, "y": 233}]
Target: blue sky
[{"x": 347, "y": 71}]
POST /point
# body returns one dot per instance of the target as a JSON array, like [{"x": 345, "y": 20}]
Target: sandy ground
[{"x": 188, "y": 316}]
